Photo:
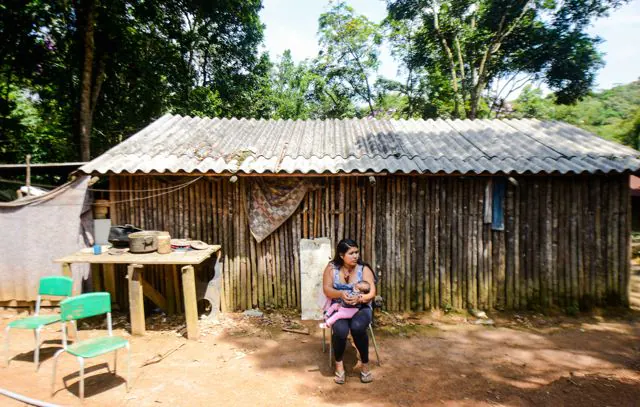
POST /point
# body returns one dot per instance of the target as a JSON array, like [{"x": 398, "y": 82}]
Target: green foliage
[
  {"x": 348, "y": 59},
  {"x": 475, "y": 42},
  {"x": 187, "y": 56},
  {"x": 613, "y": 114},
  {"x": 195, "y": 57}
]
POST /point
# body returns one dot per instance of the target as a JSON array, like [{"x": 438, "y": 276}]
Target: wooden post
[
  {"x": 28, "y": 160},
  {"x": 110, "y": 281},
  {"x": 136, "y": 299},
  {"x": 66, "y": 271},
  {"x": 190, "y": 302}
]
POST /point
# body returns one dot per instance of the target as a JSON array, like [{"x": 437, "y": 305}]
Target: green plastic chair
[
  {"x": 58, "y": 286},
  {"x": 84, "y": 306}
]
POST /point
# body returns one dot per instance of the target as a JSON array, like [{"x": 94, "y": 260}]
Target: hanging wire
[
  {"x": 8, "y": 181},
  {"x": 173, "y": 189},
  {"x": 167, "y": 192}
]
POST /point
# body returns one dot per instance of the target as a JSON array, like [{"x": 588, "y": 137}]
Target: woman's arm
[{"x": 327, "y": 284}]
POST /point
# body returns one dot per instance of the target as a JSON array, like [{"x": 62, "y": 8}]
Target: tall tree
[
  {"x": 477, "y": 41},
  {"x": 350, "y": 46},
  {"x": 104, "y": 69}
]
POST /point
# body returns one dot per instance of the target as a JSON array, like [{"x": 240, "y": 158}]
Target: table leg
[
  {"x": 190, "y": 302},
  {"x": 66, "y": 271},
  {"x": 136, "y": 299},
  {"x": 110, "y": 281}
]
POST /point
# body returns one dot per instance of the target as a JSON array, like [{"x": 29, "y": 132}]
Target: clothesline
[{"x": 168, "y": 191}]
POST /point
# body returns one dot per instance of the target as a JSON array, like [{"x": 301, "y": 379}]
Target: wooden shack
[{"x": 506, "y": 214}]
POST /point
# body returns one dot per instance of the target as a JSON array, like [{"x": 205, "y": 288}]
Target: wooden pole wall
[{"x": 565, "y": 243}]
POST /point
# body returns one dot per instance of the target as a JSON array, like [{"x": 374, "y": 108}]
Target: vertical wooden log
[
  {"x": 553, "y": 282},
  {"x": 391, "y": 269},
  {"x": 428, "y": 246},
  {"x": 136, "y": 299},
  {"x": 589, "y": 246},
  {"x": 614, "y": 215},
  {"x": 170, "y": 290},
  {"x": 453, "y": 242},
  {"x": 110, "y": 281},
  {"x": 516, "y": 248},
  {"x": 445, "y": 294},
  {"x": 575, "y": 294},
  {"x": 473, "y": 247},
  {"x": 525, "y": 240},
  {"x": 341, "y": 209},
  {"x": 435, "y": 278},
  {"x": 580, "y": 233},
  {"x": 113, "y": 198},
  {"x": 534, "y": 221},
  {"x": 406, "y": 238},
  {"x": 190, "y": 302},
  {"x": 256, "y": 285},
  {"x": 598, "y": 281},
  {"x": 244, "y": 250},
  {"x": 96, "y": 281},
  {"x": 605, "y": 235},
  {"x": 482, "y": 247},
  {"x": 625, "y": 240},
  {"x": 546, "y": 285},
  {"x": 419, "y": 251}
]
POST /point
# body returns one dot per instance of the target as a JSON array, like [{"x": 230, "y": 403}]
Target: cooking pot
[{"x": 145, "y": 241}]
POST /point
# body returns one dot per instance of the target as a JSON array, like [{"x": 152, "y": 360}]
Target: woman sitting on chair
[{"x": 339, "y": 277}]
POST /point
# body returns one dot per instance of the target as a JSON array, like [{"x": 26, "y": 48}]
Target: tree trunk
[{"x": 88, "y": 45}]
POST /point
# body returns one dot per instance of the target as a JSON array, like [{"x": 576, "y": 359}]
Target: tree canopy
[{"x": 76, "y": 77}]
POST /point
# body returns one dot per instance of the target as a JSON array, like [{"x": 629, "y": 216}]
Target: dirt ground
[{"x": 522, "y": 359}]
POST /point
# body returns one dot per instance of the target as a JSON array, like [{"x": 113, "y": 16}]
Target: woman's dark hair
[{"x": 343, "y": 247}]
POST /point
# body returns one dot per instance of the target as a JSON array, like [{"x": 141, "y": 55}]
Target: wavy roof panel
[{"x": 176, "y": 144}]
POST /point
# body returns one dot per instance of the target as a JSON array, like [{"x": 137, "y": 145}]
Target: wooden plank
[
  {"x": 136, "y": 299},
  {"x": 190, "y": 302},
  {"x": 184, "y": 258},
  {"x": 153, "y": 294}
]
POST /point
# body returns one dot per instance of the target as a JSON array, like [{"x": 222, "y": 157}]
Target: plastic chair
[
  {"x": 58, "y": 286},
  {"x": 84, "y": 306}
]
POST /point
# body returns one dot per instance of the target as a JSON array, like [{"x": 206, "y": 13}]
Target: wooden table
[{"x": 135, "y": 262}]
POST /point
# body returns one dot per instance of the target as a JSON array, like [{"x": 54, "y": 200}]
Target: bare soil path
[{"x": 428, "y": 359}]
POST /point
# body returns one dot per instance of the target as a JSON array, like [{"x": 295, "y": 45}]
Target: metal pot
[{"x": 145, "y": 241}]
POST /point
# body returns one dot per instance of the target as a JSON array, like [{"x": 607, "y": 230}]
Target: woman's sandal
[
  {"x": 366, "y": 377},
  {"x": 340, "y": 377}
]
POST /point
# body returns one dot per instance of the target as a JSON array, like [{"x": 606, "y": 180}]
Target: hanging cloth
[{"x": 272, "y": 201}]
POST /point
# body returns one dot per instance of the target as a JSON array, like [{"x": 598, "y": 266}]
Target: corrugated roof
[{"x": 176, "y": 144}]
